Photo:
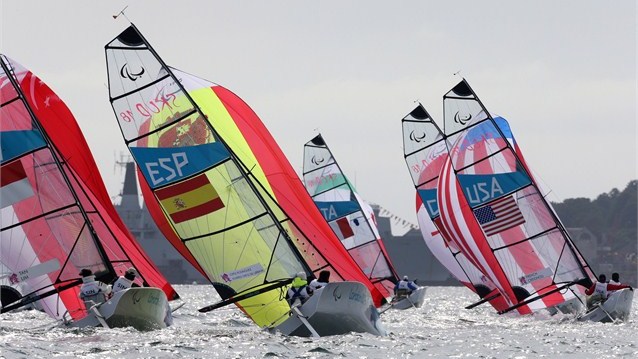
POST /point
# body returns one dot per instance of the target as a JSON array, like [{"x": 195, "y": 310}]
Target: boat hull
[
  {"x": 337, "y": 308},
  {"x": 414, "y": 300},
  {"x": 618, "y": 306},
  {"x": 141, "y": 308}
]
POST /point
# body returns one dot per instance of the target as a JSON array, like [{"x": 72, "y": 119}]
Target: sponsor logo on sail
[
  {"x": 540, "y": 274},
  {"x": 13, "y": 278},
  {"x": 242, "y": 273},
  {"x": 133, "y": 76}
]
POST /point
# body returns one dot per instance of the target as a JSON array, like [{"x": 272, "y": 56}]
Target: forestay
[
  {"x": 351, "y": 218},
  {"x": 494, "y": 210}
]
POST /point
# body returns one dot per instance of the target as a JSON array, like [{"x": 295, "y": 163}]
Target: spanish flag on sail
[{"x": 190, "y": 199}]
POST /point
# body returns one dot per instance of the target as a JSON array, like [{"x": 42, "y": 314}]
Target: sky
[{"x": 562, "y": 72}]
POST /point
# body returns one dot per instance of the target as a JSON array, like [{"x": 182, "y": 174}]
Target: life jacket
[
  {"x": 404, "y": 285},
  {"x": 122, "y": 283},
  {"x": 298, "y": 290},
  {"x": 601, "y": 288},
  {"x": 93, "y": 292}
]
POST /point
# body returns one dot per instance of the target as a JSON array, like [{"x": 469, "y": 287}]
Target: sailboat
[
  {"x": 352, "y": 219},
  {"x": 57, "y": 220},
  {"x": 225, "y": 196},
  {"x": 425, "y": 153},
  {"x": 497, "y": 215}
]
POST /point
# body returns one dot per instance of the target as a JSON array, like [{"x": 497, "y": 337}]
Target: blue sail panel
[
  {"x": 165, "y": 165},
  {"x": 480, "y": 189}
]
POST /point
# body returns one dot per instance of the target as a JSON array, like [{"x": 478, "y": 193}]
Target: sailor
[
  {"x": 324, "y": 278},
  {"x": 125, "y": 281},
  {"x": 615, "y": 278},
  {"x": 93, "y": 291},
  {"x": 600, "y": 290},
  {"x": 404, "y": 287},
  {"x": 299, "y": 291}
]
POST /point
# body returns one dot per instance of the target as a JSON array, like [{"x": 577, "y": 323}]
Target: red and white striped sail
[
  {"x": 425, "y": 153},
  {"x": 495, "y": 213}
]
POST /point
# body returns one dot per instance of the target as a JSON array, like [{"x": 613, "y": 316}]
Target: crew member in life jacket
[
  {"x": 93, "y": 291},
  {"x": 615, "y": 278},
  {"x": 600, "y": 290},
  {"x": 125, "y": 281},
  {"x": 324, "y": 278},
  {"x": 404, "y": 287},
  {"x": 299, "y": 291}
]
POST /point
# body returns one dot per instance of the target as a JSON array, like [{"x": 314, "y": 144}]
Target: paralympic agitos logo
[
  {"x": 125, "y": 73},
  {"x": 462, "y": 120},
  {"x": 416, "y": 137},
  {"x": 317, "y": 161}
]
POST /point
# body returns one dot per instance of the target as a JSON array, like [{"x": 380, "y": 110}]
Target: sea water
[{"x": 439, "y": 329}]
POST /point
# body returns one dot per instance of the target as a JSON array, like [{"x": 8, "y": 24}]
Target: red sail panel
[
  {"x": 60, "y": 125},
  {"x": 290, "y": 192}
]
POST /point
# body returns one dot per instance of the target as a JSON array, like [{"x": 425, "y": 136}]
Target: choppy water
[{"x": 441, "y": 328}]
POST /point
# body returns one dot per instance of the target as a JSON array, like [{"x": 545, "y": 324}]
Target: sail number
[{"x": 151, "y": 107}]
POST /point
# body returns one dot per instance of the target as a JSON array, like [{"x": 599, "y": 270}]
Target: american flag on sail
[{"x": 499, "y": 215}]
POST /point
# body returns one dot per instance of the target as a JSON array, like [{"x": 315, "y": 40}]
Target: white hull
[
  {"x": 618, "y": 306},
  {"x": 140, "y": 308},
  {"x": 337, "y": 308},
  {"x": 414, "y": 300},
  {"x": 572, "y": 306}
]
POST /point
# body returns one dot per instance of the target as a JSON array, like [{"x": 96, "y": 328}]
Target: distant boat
[
  {"x": 56, "y": 219},
  {"x": 350, "y": 217},
  {"x": 425, "y": 153},
  {"x": 225, "y": 196},
  {"x": 497, "y": 215}
]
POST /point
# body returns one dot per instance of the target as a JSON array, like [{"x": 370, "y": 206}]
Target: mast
[
  {"x": 314, "y": 143},
  {"x": 233, "y": 157},
  {"x": 423, "y": 156},
  {"x": 523, "y": 168},
  {"x": 54, "y": 155},
  {"x": 483, "y": 156}
]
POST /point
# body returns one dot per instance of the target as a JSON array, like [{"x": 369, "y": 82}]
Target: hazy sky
[{"x": 562, "y": 72}]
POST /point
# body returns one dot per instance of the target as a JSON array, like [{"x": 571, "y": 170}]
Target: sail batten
[{"x": 425, "y": 152}]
